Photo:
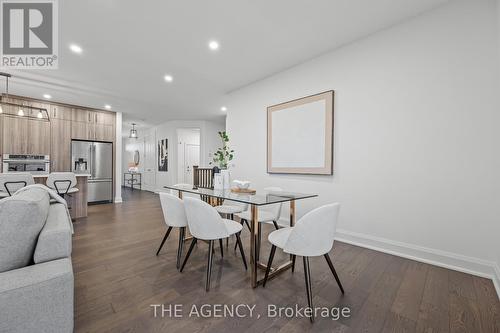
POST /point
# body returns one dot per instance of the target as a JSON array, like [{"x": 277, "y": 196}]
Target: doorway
[
  {"x": 149, "y": 175},
  {"x": 188, "y": 153}
]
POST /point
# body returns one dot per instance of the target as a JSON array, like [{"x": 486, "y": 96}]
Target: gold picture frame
[{"x": 300, "y": 135}]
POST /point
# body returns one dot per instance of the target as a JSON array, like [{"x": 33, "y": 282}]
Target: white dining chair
[
  {"x": 267, "y": 214},
  {"x": 206, "y": 224},
  {"x": 312, "y": 236},
  {"x": 174, "y": 216},
  {"x": 12, "y": 182}
]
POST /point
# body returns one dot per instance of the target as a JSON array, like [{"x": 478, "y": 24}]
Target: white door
[
  {"x": 148, "y": 177},
  {"x": 191, "y": 157}
]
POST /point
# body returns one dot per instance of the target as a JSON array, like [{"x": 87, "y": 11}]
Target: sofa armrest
[
  {"x": 37, "y": 298},
  {"x": 54, "y": 241}
]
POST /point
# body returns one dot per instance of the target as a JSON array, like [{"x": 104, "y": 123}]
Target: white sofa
[{"x": 36, "y": 274}]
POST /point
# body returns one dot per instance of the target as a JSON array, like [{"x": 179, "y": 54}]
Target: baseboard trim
[
  {"x": 118, "y": 200},
  {"x": 457, "y": 262}
]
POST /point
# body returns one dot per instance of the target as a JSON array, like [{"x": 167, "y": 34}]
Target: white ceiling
[{"x": 128, "y": 46}]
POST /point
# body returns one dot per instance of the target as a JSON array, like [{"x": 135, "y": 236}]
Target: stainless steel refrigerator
[{"x": 96, "y": 159}]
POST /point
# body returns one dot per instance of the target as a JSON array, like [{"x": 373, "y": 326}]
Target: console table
[{"x": 133, "y": 179}]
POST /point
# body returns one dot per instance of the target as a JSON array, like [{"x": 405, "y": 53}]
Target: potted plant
[
  {"x": 224, "y": 154},
  {"x": 221, "y": 159}
]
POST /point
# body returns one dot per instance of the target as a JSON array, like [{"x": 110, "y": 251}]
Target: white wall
[
  {"x": 416, "y": 136},
  {"x": 168, "y": 130},
  {"x": 118, "y": 158}
]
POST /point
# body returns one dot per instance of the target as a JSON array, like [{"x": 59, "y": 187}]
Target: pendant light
[{"x": 133, "y": 132}]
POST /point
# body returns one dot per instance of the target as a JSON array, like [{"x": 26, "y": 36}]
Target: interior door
[
  {"x": 191, "y": 157},
  {"x": 148, "y": 176}
]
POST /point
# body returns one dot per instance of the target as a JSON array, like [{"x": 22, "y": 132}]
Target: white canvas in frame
[{"x": 300, "y": 136}]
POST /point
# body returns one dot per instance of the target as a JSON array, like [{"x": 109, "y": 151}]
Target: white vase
[
  {"x": 218, "y": 182},
  {"x": 226, "y": 178}
]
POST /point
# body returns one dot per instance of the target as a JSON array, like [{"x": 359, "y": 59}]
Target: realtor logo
[{"x": 29, "y": 34}]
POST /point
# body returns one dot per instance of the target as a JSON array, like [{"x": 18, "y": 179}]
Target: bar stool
[
  {"x": 312, "y": 236},
  {"x": 269, "y": 214},
  {"x": 206, "y": 224},
  {"x": 174, "y": 216},
  {"x": 63, "y": 182},
  {"x": 12, "y": 182}
]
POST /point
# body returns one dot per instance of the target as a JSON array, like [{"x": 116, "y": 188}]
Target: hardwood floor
[{"x": 118, "y": 278}]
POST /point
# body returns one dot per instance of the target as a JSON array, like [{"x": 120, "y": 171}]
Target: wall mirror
[
  {"x": 300, "y": 136},
  {"x": 137, "y": 157}
]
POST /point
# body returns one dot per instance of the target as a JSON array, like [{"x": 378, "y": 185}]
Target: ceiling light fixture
[
  {"x": 133, "y": 132},
  {"x": 39, "y": 115},
  {"x": 213, "y": 45},
  {"x": 47, "y": 96},
  {"x": 75, "y": 48},
  {"x": 223, "y": 109},
  {"x": 107, "y": 107},
  {"x": 20, "y": 112},
  {"x": 168, "y": 78}
]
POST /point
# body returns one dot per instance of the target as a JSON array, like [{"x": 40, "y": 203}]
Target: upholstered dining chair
[
  {"x": 63, "y": 182},
  {"x": 206, "y": 224},
  {"x": 174, "y": 216},
  {"x": 11, "y": 182},
  {"x": 267, "y": 214},
  {"x": 312, "y": 236}
]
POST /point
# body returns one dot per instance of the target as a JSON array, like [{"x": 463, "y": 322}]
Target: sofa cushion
[
  {"x": 54, "y": 241},
  {"x": 22, "y": 217}
]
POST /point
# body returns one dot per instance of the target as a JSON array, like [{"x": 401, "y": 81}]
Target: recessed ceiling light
[
  {"x": 107, "y": 107},
  {"x": 75, "y": 48},
  {"x": 47, "y": 96},
  {"x": 213, "y": 45},
  {"x": 223, "y": 109},
  {"x": 168, "y": 78}
]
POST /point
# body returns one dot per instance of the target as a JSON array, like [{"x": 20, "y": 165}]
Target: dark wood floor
[{"x": 118, "y": 277}]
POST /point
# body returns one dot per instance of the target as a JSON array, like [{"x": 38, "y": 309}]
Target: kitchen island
[{"x": 77, "y": 201}]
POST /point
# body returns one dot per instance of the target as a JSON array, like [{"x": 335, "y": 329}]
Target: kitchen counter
[
  {"x": 76, "y": 174},
  {"x": 78, "y": 201}
]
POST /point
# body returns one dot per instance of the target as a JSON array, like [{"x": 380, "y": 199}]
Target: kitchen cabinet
[
  {"x": 15, "y": 135},
  {"x": 38, "y": 137},
  {"x": 105, "y": 118},
  {"x": 82, "y": 115},
  {"x": 82, "y": 130},
  {"x": 60, "y": 138},
  {"x": 104, "y": 133},
  {"x": 61, "y": 112}
]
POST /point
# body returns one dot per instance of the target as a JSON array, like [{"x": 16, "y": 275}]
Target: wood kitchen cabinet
[
  {"x": 83, "y": 115},
  {"x": 60, "y": 152},
  {"x": 38, "y": 137},
  {"x": 15, "y": 135},
  {"x": 82, "y": 130},
  {"x": 61, "y": 112},
  {"x": 104, "y": 133}
]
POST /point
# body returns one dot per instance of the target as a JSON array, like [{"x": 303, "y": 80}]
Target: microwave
[{"x": 34, "y": 164}]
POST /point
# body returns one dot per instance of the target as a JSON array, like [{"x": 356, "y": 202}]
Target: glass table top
[{"x": 258, "y": 199}]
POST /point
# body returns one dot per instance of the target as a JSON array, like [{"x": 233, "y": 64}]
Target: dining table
[{"x": 255, "y": 201}]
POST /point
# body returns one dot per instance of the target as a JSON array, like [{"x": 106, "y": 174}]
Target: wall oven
[{"x": 34, "y": 164}]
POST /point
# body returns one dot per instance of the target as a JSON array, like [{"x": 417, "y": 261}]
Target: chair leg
[
  {"x": 276, "y": 225},
  {"x": 164, "y": 239},
  {"x": 269, "y": 263},
  {"x": 238, "y": 241},
  {"x": 221, "y": 248},
  {"x": 209, "y": 267},
  {"x": 181, "y": 246},
  {"x": 307, "y": 275},
  {"x": 293, "y": 263},
  {"x": 248, "y": 225},
  {"x": 193, "y": 243},
  {"x": 328, "y": 260}
]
